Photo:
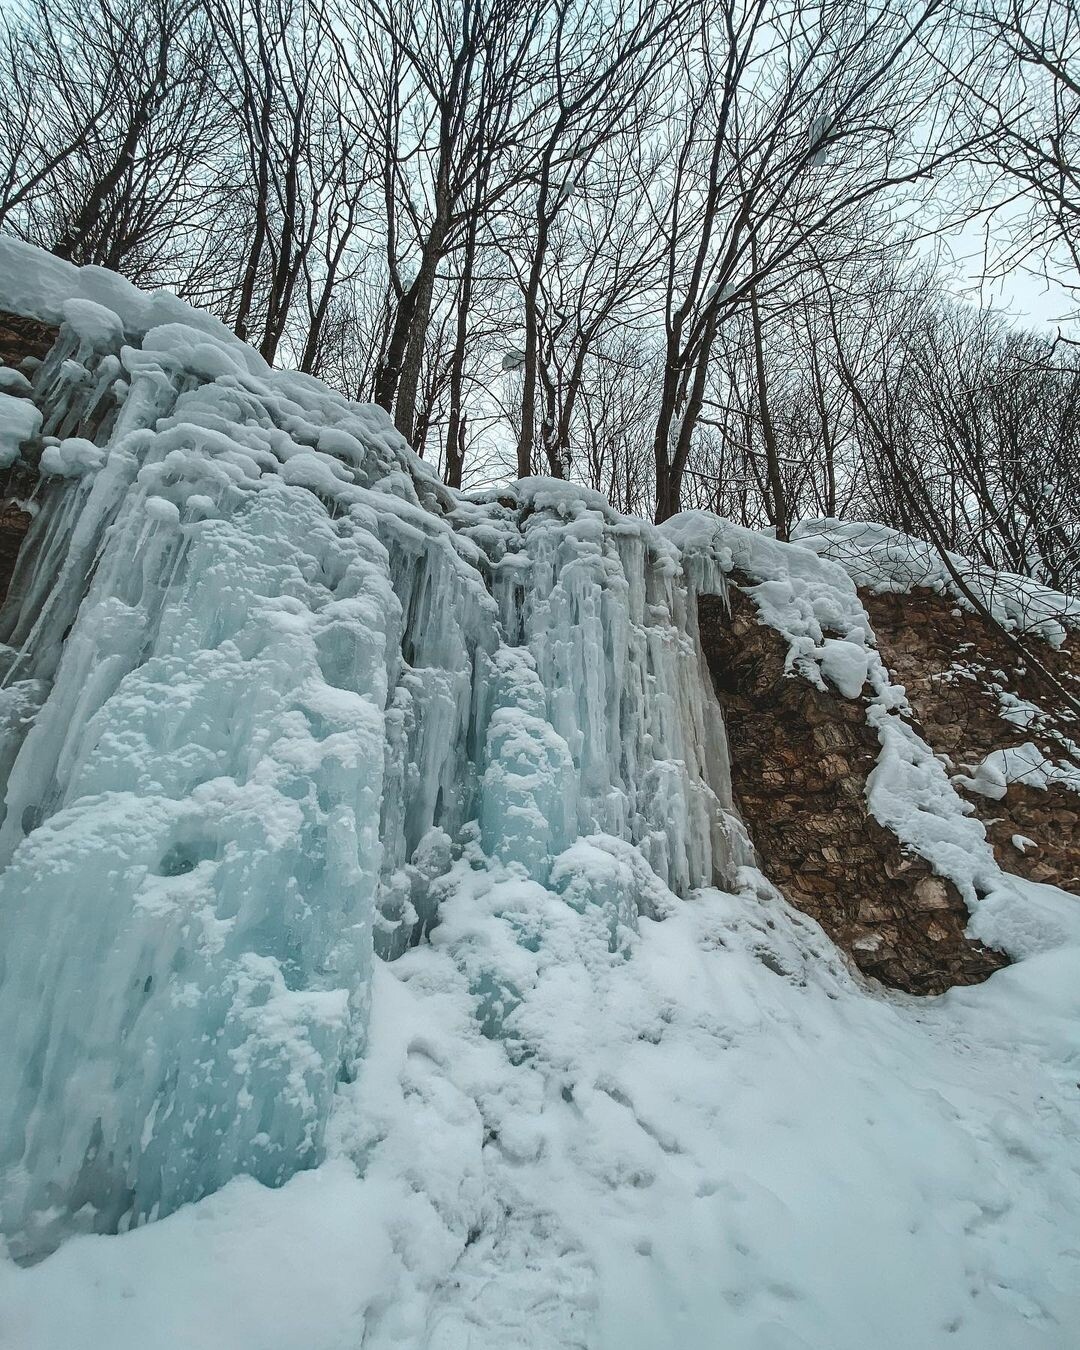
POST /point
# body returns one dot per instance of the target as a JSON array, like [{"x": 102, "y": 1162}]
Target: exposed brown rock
[
  {"x": 19, "y": 338},
  {"x": 14, "y": 522},
  {"x": 800, "y": 759},
  {"x": 948, "y": 661}
]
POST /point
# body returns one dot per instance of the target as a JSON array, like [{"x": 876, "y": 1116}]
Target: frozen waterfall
[{"x": 265, "y": 680}]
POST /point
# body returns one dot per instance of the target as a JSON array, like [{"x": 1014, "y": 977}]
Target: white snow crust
[
  {"x": 1026, "y": 764},
  {"x": 382, "y": 964},
  {"x": 711, "y": 1136},
  {"x": 19, "y": 423},
  {"x": 40, "y": 286}
]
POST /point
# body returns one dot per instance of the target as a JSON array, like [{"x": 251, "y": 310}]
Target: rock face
[
  {"x": 800, "y": 759},
  {"x": 962, "y": 677},
  {"x": 19, "y": 338},
  {"x": 14, "y": 523}
]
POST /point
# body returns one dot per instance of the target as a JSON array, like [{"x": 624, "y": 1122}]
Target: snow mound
[
  {"x": 1026, "y": 764},
  {"x": 38, "y": 285},
  {"x": 19, "y": 423},
  {"x": 575, "y": 1127}
]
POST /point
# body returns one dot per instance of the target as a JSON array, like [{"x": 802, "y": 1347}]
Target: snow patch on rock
[{"x": 885, "y": 560}]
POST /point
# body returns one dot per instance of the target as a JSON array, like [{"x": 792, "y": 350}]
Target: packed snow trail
[{"x": 364, "y": 839}]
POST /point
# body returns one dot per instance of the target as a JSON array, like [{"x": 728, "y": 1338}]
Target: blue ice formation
[{"x": 263, "y": 678}]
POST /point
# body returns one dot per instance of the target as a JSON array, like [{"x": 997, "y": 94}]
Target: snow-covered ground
[
  {"x": 278, "y": 706},
  {"x": 711, "y": 1137}
]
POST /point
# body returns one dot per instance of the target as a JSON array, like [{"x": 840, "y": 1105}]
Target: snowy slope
[
  {"x": 279, "y": 708},
  {"x": 883, "y": 560}
]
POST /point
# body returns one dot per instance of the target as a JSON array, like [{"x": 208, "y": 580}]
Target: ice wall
[{"x": 264, "y": 680}]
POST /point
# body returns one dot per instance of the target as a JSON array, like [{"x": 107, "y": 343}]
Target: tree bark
[{"x": 768, "y": 431}]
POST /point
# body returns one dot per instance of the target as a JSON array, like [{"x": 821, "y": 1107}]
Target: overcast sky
[{"x": 1023, "y": 293}]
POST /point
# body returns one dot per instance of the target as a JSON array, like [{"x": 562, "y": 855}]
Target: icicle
[{"x": 266, "y": 682}]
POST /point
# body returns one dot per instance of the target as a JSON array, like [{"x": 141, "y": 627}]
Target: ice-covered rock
[
  {"x": 19, "y": 422},
  {"x": 264, "y": 679}
]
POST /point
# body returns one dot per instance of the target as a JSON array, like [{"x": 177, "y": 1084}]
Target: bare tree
[
  {"x": 451, "y": 122},
  {"x": 613, "y": 430},
  {"x": 961, "y": 416},
  {"x": 112, "y": 114},
  {"x": 305, "y": 168},
  {"x": 600, "y": 256},
  {"x": 601, "y": 86},
  {"x": 705, "y": 203},
  {"x": 793, "y": 121},
  {"x": 1024, "y": 92}
]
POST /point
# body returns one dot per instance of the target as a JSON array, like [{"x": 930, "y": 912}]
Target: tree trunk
[
  {"x": 262, "y": 224},
  {"x": 526, "y": 430},
  {"x": 408, "y": 382},
  {"x": 768, "y": 431},
  {"x": 455, "y": 430},
  {"x": 667, "y": 490},
  {"x": 389, "y": 371},
  {"x": 72, "y": 242}
]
